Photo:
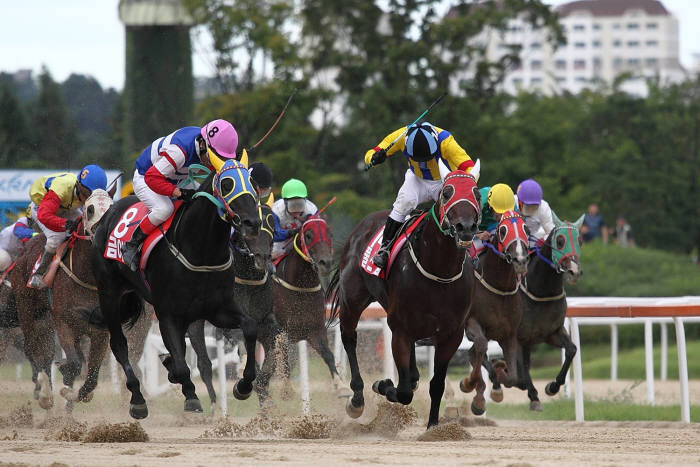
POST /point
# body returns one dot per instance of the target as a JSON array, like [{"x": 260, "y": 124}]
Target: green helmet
[{"x": 294, "y": 188}]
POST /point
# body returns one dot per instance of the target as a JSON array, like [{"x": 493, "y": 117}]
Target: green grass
[
  {"x": 593, "y": 411},
  {"x": 631, "y": 363}
]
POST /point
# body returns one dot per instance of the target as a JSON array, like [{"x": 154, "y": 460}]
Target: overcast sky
[{"x": 54, "y": 33}]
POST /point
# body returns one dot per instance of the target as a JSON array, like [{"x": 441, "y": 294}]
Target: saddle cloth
[
  {"x": 124, "y": 229},
  {"x": 375, "y": 243}
]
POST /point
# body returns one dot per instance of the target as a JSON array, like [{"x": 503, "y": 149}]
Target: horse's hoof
[
  {"x": 239, "y": 390},
  {"x": 138, "y": 411},
  {"x": 551, "y": 388},
  {"x": 535, "y": 406},
  {"x": 352, "y": 411},
  {"x": 465, "y": 387},
  {"x": 478, "y": 410},
  {"x": 69, "y": 394},
  {"x": 497, "y": 395},
  {"x": 36, "y": 394},
  {"x": 193, "y": 405},
  {"x": 375, "y": 387},
  {"x": 382, "y": 386},
  {"x": 46, "y": 403},
  {"x": 414, "y": 386}
]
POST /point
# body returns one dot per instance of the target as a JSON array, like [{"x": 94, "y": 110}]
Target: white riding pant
[
  {"x": 414, "y": 191},
  {"x": 159, "y": 206},
  {"x": 53, "y": 238}
]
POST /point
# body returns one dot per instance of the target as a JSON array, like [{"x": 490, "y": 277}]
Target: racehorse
[
  {"x": 427, "y": 293},
  {"x": 252, "y": 288},
  {"x": 188, "y": 277},
  {"x": 496, "y": 310},
  {"x": 544, "y": 303},
  {"x": 299, "y": 304}
]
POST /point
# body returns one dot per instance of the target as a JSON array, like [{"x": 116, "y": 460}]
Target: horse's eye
[
  {"x": 227, "y": 185},
  {"x": 90, "y": 211},
  {"x": 502, "y": 232},
  {"x": 447, "y": 193},
  {"x": 561, "y": 241}
]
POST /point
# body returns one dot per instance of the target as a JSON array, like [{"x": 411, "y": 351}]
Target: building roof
[{"x": 612, "y": 7}]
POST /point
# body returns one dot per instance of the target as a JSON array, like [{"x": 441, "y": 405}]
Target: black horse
[
  {"x": 252, "y": 288},
  {"x": 544, "y": 305},
  {"x": 188, "y": 277},
  {"x": 428, "y": 292}
]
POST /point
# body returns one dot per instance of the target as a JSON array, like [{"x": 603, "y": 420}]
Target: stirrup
[
  {"x": 36, "y": 282},
  {"x": 130, "y": 256},
  {"x": 381, "y": 258}
]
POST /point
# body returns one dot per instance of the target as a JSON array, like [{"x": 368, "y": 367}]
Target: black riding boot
[
  {"x": 130, "y": 249},
  {"x": 390, "y": 229},
  {"x": 37, "y": 279}
]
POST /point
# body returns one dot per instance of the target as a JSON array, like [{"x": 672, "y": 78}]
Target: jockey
[
  {"x": 290, "y": 213},
  {"x": 55, "y": 202},
  {"x": 261, "y": 175},
  {"x": 535, "y": 210},
  {"x": 424, "y": 147},
  {"x": 163, "y": 164},
  {"x": 14, "y": 236},
  {"x": 494, "y": 201}
]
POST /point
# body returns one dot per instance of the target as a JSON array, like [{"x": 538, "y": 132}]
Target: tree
[
  {"x": 13, "y": 128},
  {"x": 53, "y": 139}
]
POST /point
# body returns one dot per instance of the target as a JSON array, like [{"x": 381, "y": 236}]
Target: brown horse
[
  {"x": 427, "y": 293},
  {"x": 544, "y": 304},
  {"x": 299, "y": 303},
  {"x": 497, "y": 308}
]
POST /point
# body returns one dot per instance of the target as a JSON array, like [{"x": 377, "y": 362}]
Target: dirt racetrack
[{"x": 176, "y": 440}]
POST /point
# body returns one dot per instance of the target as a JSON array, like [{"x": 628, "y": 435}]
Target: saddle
[
  {"x": 408, "y": 227},
  {"x": 124, "y": 229}
]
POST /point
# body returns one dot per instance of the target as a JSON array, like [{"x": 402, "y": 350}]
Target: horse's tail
[
  {"x": 130, "y": 309},
  {"x": 333, "y": 297}
]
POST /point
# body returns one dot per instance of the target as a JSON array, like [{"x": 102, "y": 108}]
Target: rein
[{"x": 69, "y": 269}]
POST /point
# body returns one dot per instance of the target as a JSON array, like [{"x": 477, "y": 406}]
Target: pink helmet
[{"x": 221, "y": 137}]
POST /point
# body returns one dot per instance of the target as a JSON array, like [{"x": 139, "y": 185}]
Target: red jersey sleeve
[
  {"x": 46, "y": 213},
  {"x": 157, "y": 182}
]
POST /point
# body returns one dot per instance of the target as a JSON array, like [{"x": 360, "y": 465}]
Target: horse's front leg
[
  {"x": 70, "y": 367},
  {"x": 173, "y": 333},
  {"x": 476, "y": 357},
  {"x": 508, "y": 373},
  {"x": 444, "y": 350},
  {"x": 401, "y": 346},
  {"x": 231, "y": 317},
  {"x": 98, "y": 348},
  {"x": 561, "y": 339}
]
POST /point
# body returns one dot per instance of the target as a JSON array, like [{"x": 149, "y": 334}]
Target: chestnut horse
[
  {"x": 497, "y": 308},
  {"x": 427, "y": 293},
  {"x": 187, "y": 278},
  {"x": 544, "y": 304}
]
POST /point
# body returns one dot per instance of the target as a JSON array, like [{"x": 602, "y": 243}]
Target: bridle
[{"x": 444, "y": 207}]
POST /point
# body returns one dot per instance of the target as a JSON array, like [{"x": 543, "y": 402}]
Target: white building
[{"x": 605, "y": 38}]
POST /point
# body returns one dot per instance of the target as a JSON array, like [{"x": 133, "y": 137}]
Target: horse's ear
[
  {"x": 112, "y": 191},
  {"x": 557, "y": 222},
  {"x": 579, "y": 222}
]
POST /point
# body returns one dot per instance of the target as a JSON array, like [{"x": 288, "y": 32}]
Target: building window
[
  {"x": 536, "y": 64},
  {"x": 536, "y": 45},
  {"x": 652, "y": 43},
  {"x": 560, "y": 64},
  {"x": 581, "y": 79},
  {"x": 652, "y": 25},
  {"x": 517, "y": 81},
  {"x": 617, "y": 43},
  {"x": 596, "y": 27},
  {"x": 632, "y": 43},
  {"x": 633, "y": 61},
  {"x": 536, "y": 81},
  {"x": 579, "y": 64},
  {"x": 597, "y": 62},
  {"x": 617, "y": 62},
  {"x": 632, "y": 26},
  {"x": 579, "y": 27},
  {"x": 580, "y": 45},
  {"x": 596, "y": 44},
  {"x": 652, "y": 62},
  {"x": 561, "y": 79},
  {"x": 616, "y": 26}
]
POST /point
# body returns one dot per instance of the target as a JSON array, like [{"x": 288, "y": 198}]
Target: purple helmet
[{"x": 530, "y": 192}]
